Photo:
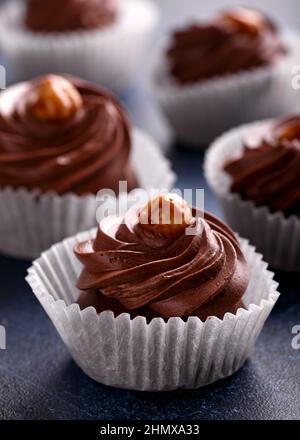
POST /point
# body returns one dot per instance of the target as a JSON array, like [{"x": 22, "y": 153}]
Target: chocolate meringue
[
  {"x": 69, "y": 15},
  {"x": 78, "y": 140},
  {"x": 237, "y": 40},
  {"x": 268, "y": 172},
  {"x": 129, "y": 268}
]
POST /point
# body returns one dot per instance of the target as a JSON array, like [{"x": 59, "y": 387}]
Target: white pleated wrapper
[
  {"x": 274, "y": 235},
  {"x": 31, "y": 222},
  {"x": 110, "y": 56},
  {"x": 157, "y": 356},
  {"x": 198, "y": 113}
]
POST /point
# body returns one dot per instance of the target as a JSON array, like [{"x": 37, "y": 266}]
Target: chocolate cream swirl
[
  {"x": 69, "y": 15},
  {"x": 81, "y": 154},
  {"x": 203, "y": 275},
  {"x": 268, "y": 172},
  {"x": 238, "y": 40}
]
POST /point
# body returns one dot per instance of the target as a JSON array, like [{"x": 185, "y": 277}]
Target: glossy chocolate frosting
[
  {"x": 69, "y": 15},
  {"x": 81, "y": 154},
  {"x": 268, "y": 173},
  {"x": 127, "y": 268},
  {"x": 237, "y": 40}
]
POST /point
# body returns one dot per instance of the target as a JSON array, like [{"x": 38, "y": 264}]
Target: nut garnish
[
  {"x": 55, "y": 98},
  {"x": 167, "y": 214},
  {"x": 245, "y": 20},
  {"x": 288, "y": 132}
]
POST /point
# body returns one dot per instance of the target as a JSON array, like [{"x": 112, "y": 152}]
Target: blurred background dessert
[
  {"x": 103, "y": 41},
  {"x": 253, "y": 171},
  {"x": 234, "y": 41},
  {"x": 43, "y": 16},
  {"x": 63, "y": 134},
  {"x": 216, "y": 73},
  {"x": 63, "y": 140}
]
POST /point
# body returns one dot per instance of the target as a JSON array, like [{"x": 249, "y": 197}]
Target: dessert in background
[
  {"x": 236, "y": 40},
  {"x": 254, "y": 172},
  {"x": 213, "y": 75},
  {"x": 63, "y": 134},
  {"x": 102, "y": 41},
  {"x": 146, "y": 264},
  {"x": 62, "y": 141},
  {"x": 69, "y": 15},
  {"x": 268, "y": 173}
]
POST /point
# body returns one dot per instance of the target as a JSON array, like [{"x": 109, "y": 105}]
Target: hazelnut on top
[
  {"x": 63, "y": 134},
  {"x": 55, "y": 98},
  {"x": 246, "y": 21},
  {"x": 168, "y": 215}
]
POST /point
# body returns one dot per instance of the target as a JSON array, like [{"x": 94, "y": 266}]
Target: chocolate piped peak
[
  {"x": 237, "y": 40},
  {"x": 268, "y": 172},
  {"x": 69, "y": 15},
  {"x": 63, "y": 134},
  {"x": 153, "y": 274}
]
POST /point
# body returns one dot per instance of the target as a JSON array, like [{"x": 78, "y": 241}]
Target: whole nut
[
  {"x": 167, "y": 214},
  {"x": 55, "y": 98},
  {"x": 289, "y": 131},
  {"x": 245, "y": 20}
]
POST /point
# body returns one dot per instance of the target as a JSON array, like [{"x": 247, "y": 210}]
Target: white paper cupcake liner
[
  {"x": 200, "y": 112},
  {"x": 274, "y": 235},
  {"x": 156, "y": 356},
  {"x": 109, "y": 56},
  {"x": 31, "y": 222}
]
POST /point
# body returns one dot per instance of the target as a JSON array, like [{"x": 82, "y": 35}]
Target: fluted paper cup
[
  {"x": 110, "y": 56},
  {"x": 277, "y": 237},
  {"x": 198, "y": 113},
  {"x": 31, "y": 222},
  {"x": 159, "y": 355}
]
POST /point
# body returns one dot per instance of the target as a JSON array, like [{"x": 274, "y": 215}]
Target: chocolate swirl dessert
[
  {"x": 269, "y": 173},
  {"x": 63, "y": 134},
  {"x": 237, "y": 40},
  {"x": 147, "y": 264},
  {"x": 69, "y": 15}
]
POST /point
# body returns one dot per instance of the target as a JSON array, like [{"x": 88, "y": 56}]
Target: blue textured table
[{"x": 39, "y": 380}]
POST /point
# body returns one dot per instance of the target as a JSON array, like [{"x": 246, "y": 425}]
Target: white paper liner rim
[
  {"x": 31, "y": 222},
  {"x": 168, "y": 355},
  {"x": 276, "y": 236}
]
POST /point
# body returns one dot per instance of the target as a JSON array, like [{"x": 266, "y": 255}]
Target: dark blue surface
[{"x": 39, "y": 380}]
